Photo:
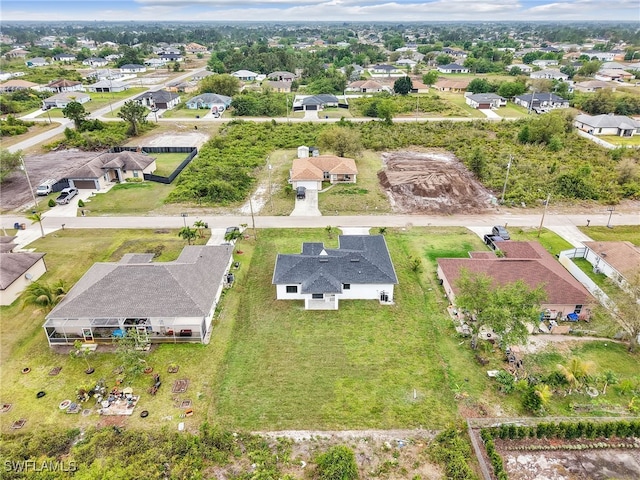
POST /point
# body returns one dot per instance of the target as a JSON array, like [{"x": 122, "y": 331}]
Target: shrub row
[
  {"x": 562, "y": 430},
  {"x": 568, "y": 430},
  {"x": 579, "y": 446},
  {"x": 494, "y": 456}
]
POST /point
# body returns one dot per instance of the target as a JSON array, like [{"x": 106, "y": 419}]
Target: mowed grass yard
[
  {"x": 363, "y": 366},
  {"x": 166, "y": 163},
  {"x": 129, "y": 199},
  {"x": 270, "y": 364}
]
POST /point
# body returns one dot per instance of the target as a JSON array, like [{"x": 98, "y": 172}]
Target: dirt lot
[
  {"x": 15, "y": 189},
  {"x": 432, "y": 181},
  {"x": 392, "y": 454},
  {"x": 571, "y": 465}
]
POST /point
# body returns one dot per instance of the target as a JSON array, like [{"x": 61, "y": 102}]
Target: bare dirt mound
[{"x": 434, "y": 181}]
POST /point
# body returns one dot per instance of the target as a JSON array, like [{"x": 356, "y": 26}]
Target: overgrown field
[{"x": 548, "y": 158}]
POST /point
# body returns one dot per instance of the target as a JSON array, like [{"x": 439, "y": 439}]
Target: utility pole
[
  {"x": 504, "y": 189},
  {"x": 417, "y": 106},
  {"x": 546, "y": 204},
  {"x": 533, "y": 94},
  {"x": 253, "y": 220},
  {"x": 270, "y": 184},
  {"x": 26, "y": 174}
]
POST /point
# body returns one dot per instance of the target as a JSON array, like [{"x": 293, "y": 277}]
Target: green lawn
[
  {"x": 364, "y": 196},
  {"x": 129, "y": 199},
  {"x": 552, "y": 242},
  {"x": 462, "y": 110},
  {"x": 511, "y": 110},
  {"x": 621, "y": 141},
  {"x": 23, "y": 343},
  {"x": 619, "y": 233},
  {"x": 606, "y": 356},
  {"x": 357, "y": 367},
  {"x": 270, "y": 364},
  {"x": 166, "y": 163}
]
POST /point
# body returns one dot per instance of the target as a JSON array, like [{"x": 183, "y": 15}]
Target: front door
[{"x": 87, "y": 335}]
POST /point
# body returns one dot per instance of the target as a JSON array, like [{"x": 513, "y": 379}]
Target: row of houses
[{"x": 175, "y": 301}]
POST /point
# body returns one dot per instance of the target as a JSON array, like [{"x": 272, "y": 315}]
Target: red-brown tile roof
[
  {"x": 313, "y": 168},
  {"x": 526, "y": 261}
]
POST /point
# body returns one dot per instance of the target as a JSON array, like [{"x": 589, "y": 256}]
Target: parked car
[
  {"x": 500, "y": 231},
  {"x": 66, "y": 195},
  {"x": 301, "y": 193}
]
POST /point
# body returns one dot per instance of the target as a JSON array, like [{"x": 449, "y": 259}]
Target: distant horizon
[{"x": 327, "y": 11}]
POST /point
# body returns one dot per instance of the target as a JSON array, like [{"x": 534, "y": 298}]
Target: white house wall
[
  {"x": 13, "y": 291},
  {"x": 356, "y": 292}
]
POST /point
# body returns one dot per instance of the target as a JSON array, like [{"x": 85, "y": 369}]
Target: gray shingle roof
[
  {"x": 158, "y": 96},
  {"x": 359, "y": 259},
  {"x": 320, "y": 99},
  {"x": 14, "y": 265},
  {"x": 609, "y": 121},
  {"x": 185, "y": 287},
  {"x": 210, "y": 98}
]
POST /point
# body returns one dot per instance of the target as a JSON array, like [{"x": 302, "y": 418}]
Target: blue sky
[{"x": 320, "y": 10}]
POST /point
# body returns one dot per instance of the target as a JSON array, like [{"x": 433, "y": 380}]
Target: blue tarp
[{"x": 572, "y": 317}]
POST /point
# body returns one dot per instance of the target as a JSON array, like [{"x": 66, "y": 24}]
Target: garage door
[
  {"x": 308, "y": 185},
  {"x": 85, "y": 184}
]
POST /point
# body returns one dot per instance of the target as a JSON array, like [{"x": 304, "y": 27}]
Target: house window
[
  {"x": 578, "y": 309},
  {"x": 346, "y": 286},
  {"x": 317, "y": 296},
  {"x": 135, "y": 174},
  {"x": 292, "y": 289}
]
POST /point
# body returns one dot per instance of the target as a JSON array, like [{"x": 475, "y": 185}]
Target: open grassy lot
[
  {"x": 129, "y": 199},
  {"x": 629, "y": 233}
]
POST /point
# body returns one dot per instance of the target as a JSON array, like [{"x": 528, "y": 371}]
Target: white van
[{"x": 46, "y": 187}]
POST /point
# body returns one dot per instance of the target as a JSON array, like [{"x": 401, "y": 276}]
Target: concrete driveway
[{"x": 308, "y": 206}]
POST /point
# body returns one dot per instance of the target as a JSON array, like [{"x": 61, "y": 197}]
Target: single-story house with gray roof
[
  {"x": 158, "y": 99},
  {"x": 61, "y": 100},
  {"x": 106, "y": 86},
  {"x": 618, "y": 125},
  {"x": 314, "y": 102},
  {"x": 17, "y": 270},
  {"x": 216, "y": 103},
  {"x": 111, "y": 167},
  {"x": 165, "y": 302},
  {"x": 485, "y": 100},
  {"x": 360, "y": 268}
]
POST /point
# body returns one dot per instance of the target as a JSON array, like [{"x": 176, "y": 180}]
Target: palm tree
[
  {"x": 544, "y": 393},
  {"x": 200, "y": 225},
  {"x": 43, "y": 295},
  {"x": 577, "y": 371},
  {"x": 187, "y": 234},
  {"x": 37, "y": 217}
]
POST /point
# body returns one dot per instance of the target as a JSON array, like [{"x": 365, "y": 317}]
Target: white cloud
[{"x": 329, "y": 10}]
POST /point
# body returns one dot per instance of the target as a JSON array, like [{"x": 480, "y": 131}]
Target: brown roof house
[
  {"x": 451, "y": 85},
  {"x": 111, "y": 167},
  {"x": 310, "y": 172},
  {"x": 617, "y": 260},
  {"x": 17, "y": 270},
  {"x": 165, "y": 302},
  {"x": 526, "y": 261}
]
